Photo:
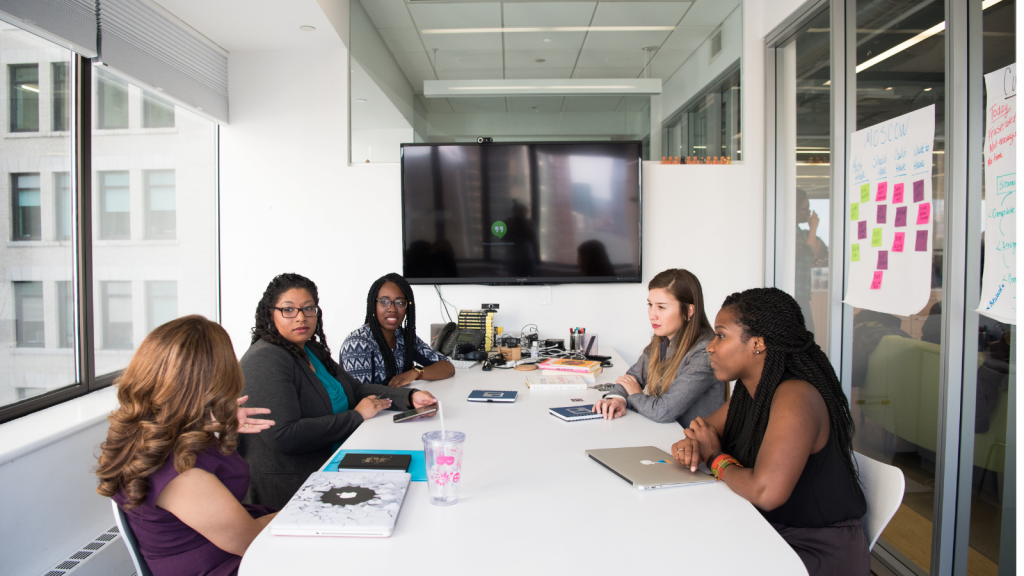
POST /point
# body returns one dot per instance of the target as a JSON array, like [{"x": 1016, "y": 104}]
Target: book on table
[
  {"x": 587, "y": 378},
  {"x": 576, "y": 413},
  {"x": 572, "y": 366},
  {"x": 556, "y": 382},
  {"x": 344, "y": 504}
]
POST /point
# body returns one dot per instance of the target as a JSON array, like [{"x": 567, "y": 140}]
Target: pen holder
[{"x": 588, "y": 344}]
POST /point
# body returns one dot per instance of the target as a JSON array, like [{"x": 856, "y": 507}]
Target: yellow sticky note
[
  {"x": 855, "y": 253},
  {"x": 876, "y": 237},
  {"x": 854, "y": 211},
  {"x": 865, "y": 192}
]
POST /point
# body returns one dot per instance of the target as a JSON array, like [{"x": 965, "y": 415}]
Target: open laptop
[
  {"x": 344, "y": 504},
  {"x": 647, "y": 467}
]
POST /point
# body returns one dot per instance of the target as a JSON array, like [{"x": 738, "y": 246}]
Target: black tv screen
[{"x": 521, "y": 213}]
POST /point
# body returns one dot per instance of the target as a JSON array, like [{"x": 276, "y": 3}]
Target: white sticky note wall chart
[
  {"x": 889, "y": 214},
  {"x": 999, "y": 278}
]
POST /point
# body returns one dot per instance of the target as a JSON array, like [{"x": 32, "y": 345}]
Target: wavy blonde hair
[
  {"x": 177, "y": 398},
  {"x": 685, "y": 288}
]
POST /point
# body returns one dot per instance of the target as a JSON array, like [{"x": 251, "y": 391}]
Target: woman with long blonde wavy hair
[
  {"x": 169, "y": 460},
  {"x": 672, "y": 380}
]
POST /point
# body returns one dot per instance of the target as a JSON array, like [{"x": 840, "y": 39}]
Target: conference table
[{"x": 532, "y": 502}]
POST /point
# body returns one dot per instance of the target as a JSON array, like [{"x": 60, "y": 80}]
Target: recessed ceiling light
[
  {"x": 927, "y": 89},
  {"x": 889, "y": 88},
  {"x": 307, "y": 28},
  {"x": 540, "y": 60},
  {"x": 360, "y": 99}
]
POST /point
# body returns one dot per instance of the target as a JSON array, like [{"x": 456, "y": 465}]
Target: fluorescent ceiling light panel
[
  {"x": 560, "y": 87},
  {"x": 549, "y": 29}
]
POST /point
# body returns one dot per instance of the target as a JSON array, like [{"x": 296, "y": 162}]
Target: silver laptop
[
  {"x": 344, "y": 504},
  {"x": 647, "y": 467}
]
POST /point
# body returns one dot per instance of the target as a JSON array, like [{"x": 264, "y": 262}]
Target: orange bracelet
[{"x": 721, "y": 462}]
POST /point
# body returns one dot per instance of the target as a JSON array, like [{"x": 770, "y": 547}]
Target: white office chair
[
  {"x": 141, "y": 568},
  {"x": 883, "y": 489}
]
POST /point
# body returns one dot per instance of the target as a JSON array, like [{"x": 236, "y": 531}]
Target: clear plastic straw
[{"x": 440, "y": 414}]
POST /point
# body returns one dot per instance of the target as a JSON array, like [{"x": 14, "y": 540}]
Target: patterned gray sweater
[{"x": 693, "y": 393}]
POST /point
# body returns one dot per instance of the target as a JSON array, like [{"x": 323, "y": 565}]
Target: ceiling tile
[
  {"x": 687, "y": 37},
  {"x": 623, "y": 40},
  {"x": 482, "y": 104},
  {"x": 608, "y": 72},
  {"x": 537, "y": 73},
  {"x": 639, "y": 13},
  {"x": 612, "y": 58},
  {"x": 536, "y": 40},
  {"x": 677, "y": 49},
  {"x": 416, "y": 78},
  {"x": 388, "y": 13},
  {"x": 591, "y": 103},
  {"x": 636, "y": 103},
  {"x": 709, "y": 12},
  {"x": 413, "y": 61},
  {"x": 456, "y": 74},
  {"x": 548, "y": 13},
  {"x": 483, "y": 41},
  {"x": 402, "y": 39},
  {"x": 545, "y": 104},
  {"x": 435, "y": 104},
  {"x": 468, "y": 60},
  {"x": 552, "y": 59},
  {"x": 457, "y": 15}
]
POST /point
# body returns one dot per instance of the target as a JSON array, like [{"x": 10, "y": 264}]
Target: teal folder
[{"x": 417, "y": 467}]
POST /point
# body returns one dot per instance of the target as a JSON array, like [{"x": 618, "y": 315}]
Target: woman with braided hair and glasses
[
  {"x": 385, "y": 349},
  {"x": 784, "y": 441},
  {"x": 317, "y": 405}
]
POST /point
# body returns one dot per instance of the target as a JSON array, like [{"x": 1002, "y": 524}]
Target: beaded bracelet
[{"x": 721, "y": 462}]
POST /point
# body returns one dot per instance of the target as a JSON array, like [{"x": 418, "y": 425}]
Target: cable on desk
[{"x": 444, "y": 303}]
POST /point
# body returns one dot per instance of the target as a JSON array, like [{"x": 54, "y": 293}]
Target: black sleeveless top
[{"x": 824, "y": 493}]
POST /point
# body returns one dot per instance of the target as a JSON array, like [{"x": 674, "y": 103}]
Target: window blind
[
  {"x": 145, "y": 42},
  {"x": 70, "y": 23}
]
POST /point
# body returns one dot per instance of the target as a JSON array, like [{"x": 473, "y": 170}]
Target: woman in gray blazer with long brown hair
[{"x": 316, "y": 404}]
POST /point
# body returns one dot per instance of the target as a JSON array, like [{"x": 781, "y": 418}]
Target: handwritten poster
[
  {"x": 999, "y": 278},
  {"x": 889, "y": 204}
]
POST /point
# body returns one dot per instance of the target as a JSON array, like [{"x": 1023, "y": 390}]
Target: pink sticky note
[
  {"x": 901, "y": 216},
  {"x": 918, "y": 190},
  {"x": 922, "y": 241},
  {"x": 897, "y": 243},
  {"x": 880, "y": 217},
  {"x": 862, "y": 229},
  {"x": 897, "y": 193},
  {"x": 883, "y": 260},
  {"x": 876, "y": 281},
  {"x": 883, "y": 187},
  {"x": 923, "y": 212}
]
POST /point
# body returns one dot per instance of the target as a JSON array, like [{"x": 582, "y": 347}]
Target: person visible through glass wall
[{"x": 811, "y": 252}]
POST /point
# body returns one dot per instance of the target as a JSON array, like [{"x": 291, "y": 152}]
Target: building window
[
  {"x": 115, "y": 203},
  {"x": 117, "y": 315},
  {"x": 708, "y": 126},
  {"x": 63, "y": 205},
  {"x": 113, "y": 101},
  {"x": 25, "y": 207},
  {"x": 161, "y": 303},
  {"x": 61, "y": 96},
  {"x": 156, "y": 113},
  {"x": 24, "y": 95},
  {"x": 28, "y": 314},
  {"x": 65, "y": 315},
  {"x": 160, "y": 207}
]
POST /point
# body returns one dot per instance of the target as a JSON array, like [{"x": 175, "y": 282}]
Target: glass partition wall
[{"x": 931, "y": 393}]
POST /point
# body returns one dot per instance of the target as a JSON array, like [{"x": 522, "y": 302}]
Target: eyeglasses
[
  {"x": 290, "y": 312},
  {"x": 384, "y": 303}
]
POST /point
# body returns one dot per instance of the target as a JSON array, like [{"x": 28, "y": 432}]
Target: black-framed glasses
[
  {"x": 384, "y": 302},
  {"x": 292, "y": 312}
]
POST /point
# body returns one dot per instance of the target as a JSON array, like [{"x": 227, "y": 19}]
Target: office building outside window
[
  {"x": 23, "y": 94},
  {"x": 160, "y": 208},
  {"x": 65, "y": 314},
  {"x": 156, "y": 113},
  {"x": 61, "y": 99},
  {"x": 112, "y": 101},
  {"x": 161, "y": 303},
  {"x": 115, "y": 204},
  {"x": 63, "y": 206},
  {"x": 25, "y": 207},
  {"x": 28, "y": 314},
  {"x": 116, "y": 298}
]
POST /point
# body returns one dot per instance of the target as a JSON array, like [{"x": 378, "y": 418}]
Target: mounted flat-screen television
[{"x": 521, "y": 213}]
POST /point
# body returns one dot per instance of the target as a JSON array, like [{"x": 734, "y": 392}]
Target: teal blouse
[{"x": 339, "y": 400}]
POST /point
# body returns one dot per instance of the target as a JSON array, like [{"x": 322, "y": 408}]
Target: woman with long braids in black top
[
  {"x": 317, "y": 406},
  {"x": 386, "y": 350},
  {"x": 784, "y": 442}
]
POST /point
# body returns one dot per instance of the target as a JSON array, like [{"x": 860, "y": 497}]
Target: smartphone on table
[{"x": 416, "y": 413}]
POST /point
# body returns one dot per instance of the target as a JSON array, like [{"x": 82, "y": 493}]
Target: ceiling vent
[{"x": 716, "y": 44}]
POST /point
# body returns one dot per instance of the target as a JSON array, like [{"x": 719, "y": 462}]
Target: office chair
[
  {"x": 883, "y": 489},
  {"x": 141, "y": 568}
]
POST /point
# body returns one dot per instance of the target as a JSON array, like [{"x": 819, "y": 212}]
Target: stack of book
[
  {"x": 587, "y": 369},
  {"x": 479, "y": 320}
]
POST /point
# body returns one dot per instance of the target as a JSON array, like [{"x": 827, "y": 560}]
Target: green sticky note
[
  {"x": 876, "y": 237},
  {"x": 854, "y": 211},
  {"x": 855, "y": 253},
  {"x": 865, "y": 192}
]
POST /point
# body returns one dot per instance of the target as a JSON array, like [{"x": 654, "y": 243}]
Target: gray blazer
[
  {"x": 306, "y": 430},
  {"x": 694, "y": 392}
]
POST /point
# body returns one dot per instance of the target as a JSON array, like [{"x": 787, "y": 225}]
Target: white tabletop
[{"x": 531, "y": 500}]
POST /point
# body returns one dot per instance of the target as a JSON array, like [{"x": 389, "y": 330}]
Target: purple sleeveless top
[{"x": 171, "y": 547}]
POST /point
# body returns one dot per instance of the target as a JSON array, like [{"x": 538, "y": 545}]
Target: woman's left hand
[
  {"x": 247, "y": 425},
  {"x": 421, "y": 398},
  {"x": 403, "y": 379},
  {"x": 630, "y": 383},
  {"x": 706, "y": 437}
]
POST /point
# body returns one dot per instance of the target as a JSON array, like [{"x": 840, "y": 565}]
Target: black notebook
[{"x": 396, "y": 462}]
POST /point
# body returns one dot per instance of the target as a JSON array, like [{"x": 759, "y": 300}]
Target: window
[
  {"x": 65, "y": 315},
  {"x": 156, "y": 113},
  {"x": 709, "y": 124},
  {"x": 28, "y": 314},
  {"x": 161, "y": 303},
  {"x": 63, "y": 205},
  {"x": 117, "y": 315},
  {"x": 25, "y": 207},
  {"x": 160, "y": 212},
  {"x": 115, "y": 204},
  {"x": 61, "y": 103},
  {"x": 24, "y": 97},
  {"x": 112, "y": 101}
]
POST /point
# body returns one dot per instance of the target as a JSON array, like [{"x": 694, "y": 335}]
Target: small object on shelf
[{"x": 663, "y": 160}]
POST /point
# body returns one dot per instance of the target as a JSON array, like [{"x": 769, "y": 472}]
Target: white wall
[{"x": 697, "y": 72}]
